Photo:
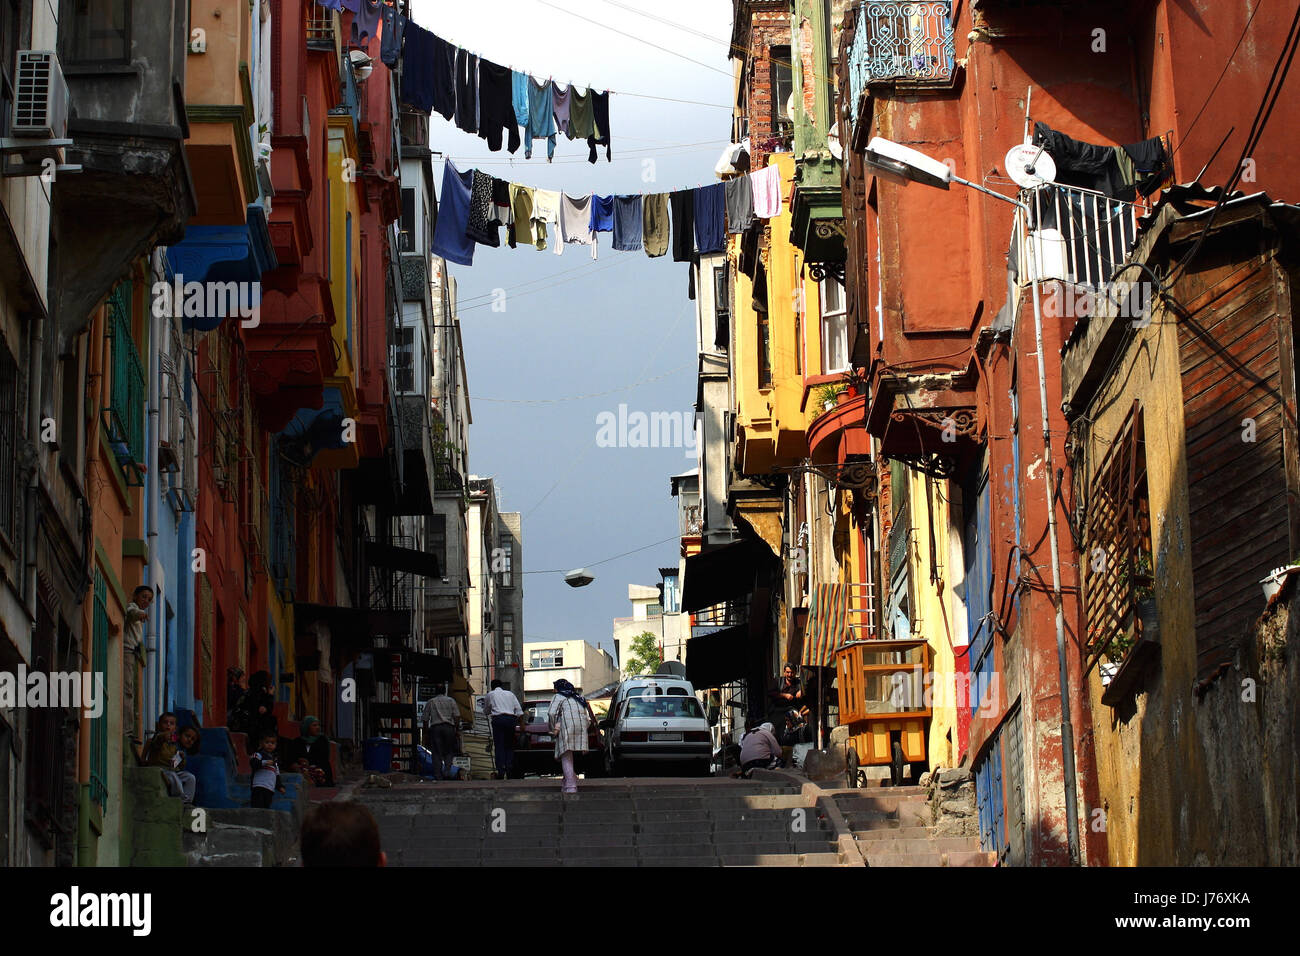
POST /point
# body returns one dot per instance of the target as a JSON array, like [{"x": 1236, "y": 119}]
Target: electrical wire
[
  {"x": 633, "y": 36},
  {"x": 594, "y": 564}
]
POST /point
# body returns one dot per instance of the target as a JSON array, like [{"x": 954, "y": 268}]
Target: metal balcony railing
[
  {"x": 321, "y": 23},
  {"x": 1073, "y": 234},
  {"x": 901, "y": 41}
]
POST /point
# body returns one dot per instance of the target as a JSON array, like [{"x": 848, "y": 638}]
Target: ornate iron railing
[{"x": 901, "y": 41}]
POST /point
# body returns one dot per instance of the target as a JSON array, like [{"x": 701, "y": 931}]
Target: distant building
[
  {"x": 647, "y": 612},
  {"x": 587, "y": 667}
]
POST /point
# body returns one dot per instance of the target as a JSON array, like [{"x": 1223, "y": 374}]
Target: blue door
[
  {"x": 989, "y": 798},
  {"x": 979, "y": 576}
]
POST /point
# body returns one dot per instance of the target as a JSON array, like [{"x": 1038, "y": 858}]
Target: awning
[
  {"x": 410, "y": 560},
  {"x": 828, "y": 624},
  {"x": 718, "y": 658},
  {"x": 353, "y": 628},
  {"x": 431, "y": 666},
  {"x": 716, "y": 576}
]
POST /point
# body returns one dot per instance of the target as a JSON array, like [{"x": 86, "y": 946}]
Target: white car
[{"x": 657, "y": 721}]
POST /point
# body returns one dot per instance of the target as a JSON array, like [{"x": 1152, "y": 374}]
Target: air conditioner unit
[{"x": 41, "y": 97}]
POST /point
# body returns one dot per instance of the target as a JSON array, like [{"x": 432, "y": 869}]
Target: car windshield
[
  {"x": 537, "y": 713},
  {"x": 664, "y": 706}
]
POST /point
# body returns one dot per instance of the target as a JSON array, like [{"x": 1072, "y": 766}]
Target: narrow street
[{"x": 660, "y": 821}]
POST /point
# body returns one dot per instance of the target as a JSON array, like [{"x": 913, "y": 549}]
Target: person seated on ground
[
  {"x": 340, "y": 833},
  {"x": 189, "y": 740},
  {"x": 789, "y": 690},
  {"x": 235, "y": 692},
  {"x": 162, "y": 751},
  {"x": 759, "y": 748},
  {"x": 256, "y": 714},
  {"x": 309, "y": 753}
]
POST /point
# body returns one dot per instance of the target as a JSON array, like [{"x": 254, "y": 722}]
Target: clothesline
[
  {"x": 474, "y": 205},
  {"x": 657, "y": 191}
]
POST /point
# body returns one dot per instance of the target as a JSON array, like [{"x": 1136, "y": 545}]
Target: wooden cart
[{"x": 885, "y": 702}]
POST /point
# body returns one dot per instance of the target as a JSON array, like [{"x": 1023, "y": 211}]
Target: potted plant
[
  {"x": 827, "y": 397},
  {"x": 857, "y": 385}
]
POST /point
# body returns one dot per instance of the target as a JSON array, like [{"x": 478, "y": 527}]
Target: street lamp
[
  {"x": 579, "y": 578},
  {"x": 904, "y": 164}
]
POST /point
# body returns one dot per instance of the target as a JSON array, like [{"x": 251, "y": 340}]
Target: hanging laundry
[
  {"x": 683, "y": 206},
  {"x": 654, "y": 224},
  {"x": 482, "y": 214},
  {"x": 602, "y": 213},
  {"x": 352, "y": 6},
  {"x": 1150, "y": 162},
  {"x": 1083, "y": 164},
  {"x": 390, "y": 48},
  {"x": 710, "y": 212},
  {"x": 419, "y": 69},
  {"x": 627, "y": 223},
  {"x": 365, "y": 25},
  {"x": 496, "y": 106},
  {"x": 541, "y": 118},
  {"x": 443, "y": 64},
  {"x": 581, "y": 119},
  {"x": 740, "y": 204},
  {"x": 575, "y": 221},
  {"x": 519, "y": 93},
  {"x": 600, "y": 117},
  {"x": 331, "y": 4},
  {"x": 466, "y": 91},
  {"x": 449, "y": 236},
  {"x": 766, "y": 188},
  {"x": 527, "y": 229},
  {"x": 502, "y": 213},
  {"x": 546, "y": 210},
  {"x": 560, "y": 100}
]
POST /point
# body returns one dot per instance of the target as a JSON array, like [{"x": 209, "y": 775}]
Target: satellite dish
[
  {"x": 1030, "y": 166},
  {"x": 578, "y": 578}
]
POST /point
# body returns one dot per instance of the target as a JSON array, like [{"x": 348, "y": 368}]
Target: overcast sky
[{"x": 573, "y": 327}]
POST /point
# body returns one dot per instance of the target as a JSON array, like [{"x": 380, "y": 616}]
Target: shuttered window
[{"x": 1118, "y": 567}]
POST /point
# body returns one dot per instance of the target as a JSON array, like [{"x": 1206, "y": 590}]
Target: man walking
[
  {"x": 442, "y": 720},
  {"x": 505, "y": 714}
]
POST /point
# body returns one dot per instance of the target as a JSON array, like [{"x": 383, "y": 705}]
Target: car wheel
[
  {"x": 702, "y": 768},
  {"x": 896, "y": 765}
]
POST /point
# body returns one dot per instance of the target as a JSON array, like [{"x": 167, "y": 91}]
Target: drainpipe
[
  {"x": 1049, "y": 470},
  {"x": 155, "y": 654},
  {"x": 1067, "y": 728}
]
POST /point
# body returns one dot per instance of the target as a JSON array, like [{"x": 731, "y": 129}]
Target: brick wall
[{"x": 767, "y": 29}]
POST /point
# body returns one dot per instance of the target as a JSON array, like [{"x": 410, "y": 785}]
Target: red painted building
[{"x": 941, "y": 294}]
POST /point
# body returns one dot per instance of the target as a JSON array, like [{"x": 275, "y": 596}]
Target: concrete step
[
  {"x": 924, "y": 844},
  {"x": 904, "y": 859},
  {"x": 892, "y": 831}
]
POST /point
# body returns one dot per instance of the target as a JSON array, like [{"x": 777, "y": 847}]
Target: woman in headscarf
[
  {"x": 570, "y": 718},
  {"x": 309, "y": 754},
  {"x": 256, "y": 715}
]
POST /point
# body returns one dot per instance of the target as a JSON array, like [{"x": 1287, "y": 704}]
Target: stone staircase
[
  {"x": 894, "y": 826},
  {"x": 709, "y": 822}
]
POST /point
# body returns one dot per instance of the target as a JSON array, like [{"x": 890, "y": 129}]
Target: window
[
  {"x": 764, "y": 351},
  {"x": 507, "y": 563},
  {"x": 978, "y": 550},
  {"x": 8, "y": 445},
  {"x": 406, "y": 238},
  {"x": 664, "y": 706},
  {"x": 126, "y": 407},
  {"x": 782, "y": 85},
  {"x": 1120, "y": 571},
  {"x": 721, "y": 309},
  {"x": 507, "y": 638},
  {"x": 548, "y": 657},
  {"x": 437, "y": 537},
  {"x": 95, "y": 31},
  {"x": 654, "y": 610},
  {"x": 835, "y": 337},
  {"x": 404, "y": 359}
]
